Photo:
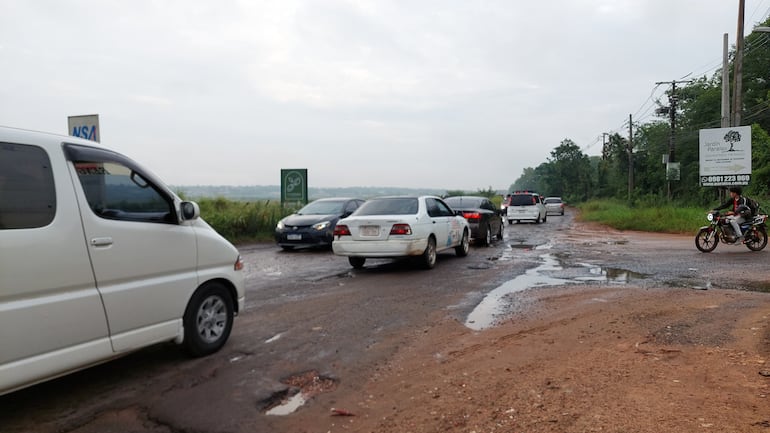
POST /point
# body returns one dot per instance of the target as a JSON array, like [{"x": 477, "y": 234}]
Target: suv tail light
[
  {"x": 401, "y": 229},
  {"x": 341, "y": 230}
]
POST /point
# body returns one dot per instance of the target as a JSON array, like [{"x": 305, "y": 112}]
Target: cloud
[{"x": 396, "y": 92}]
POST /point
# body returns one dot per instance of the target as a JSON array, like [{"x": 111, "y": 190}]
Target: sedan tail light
[
  {"x": 471, "y": 215},
  {"x": 341, "y": 230},
  {"x": 401, "y": 229}
]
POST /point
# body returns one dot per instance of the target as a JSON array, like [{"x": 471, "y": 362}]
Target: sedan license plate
[
  {"x": 294, "y": 237},
  {"x": 370, "y": 230}
]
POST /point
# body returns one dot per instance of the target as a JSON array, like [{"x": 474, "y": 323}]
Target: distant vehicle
[
  {"x": 554, "y": 205},
  {"x": 525, "y": 206},
  {"x": 482, "y": 215},
  {"x": 390, "y": 227},
  {"x": 313, "y": 225},
  {"x": 100, "y": 258}
]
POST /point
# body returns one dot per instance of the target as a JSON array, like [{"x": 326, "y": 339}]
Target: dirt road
[{"x": 563, "y": 327}]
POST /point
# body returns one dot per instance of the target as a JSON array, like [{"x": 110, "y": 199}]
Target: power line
[{"x": 641, "y": 116}]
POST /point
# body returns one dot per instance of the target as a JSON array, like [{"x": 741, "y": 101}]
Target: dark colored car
[
  {"x": 482, "y": 215},
  {"x": 313, "y": 225}
]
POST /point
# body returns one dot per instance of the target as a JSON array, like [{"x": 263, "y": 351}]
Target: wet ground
[{"x": 315, "y": 331}]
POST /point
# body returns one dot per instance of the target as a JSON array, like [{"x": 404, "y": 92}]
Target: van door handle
[{"x": 101, "y": 242}]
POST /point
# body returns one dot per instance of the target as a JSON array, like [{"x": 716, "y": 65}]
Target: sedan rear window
[
  {"x": 552, "y": 200},
  {"x": 389, "y": 206},
  {"x": 468, "y": 202}
]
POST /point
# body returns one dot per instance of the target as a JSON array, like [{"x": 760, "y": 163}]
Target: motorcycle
[{"x": 720, "y": 229}]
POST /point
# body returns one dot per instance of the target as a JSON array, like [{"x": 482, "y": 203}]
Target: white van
[{"x": 99, "y": 258}]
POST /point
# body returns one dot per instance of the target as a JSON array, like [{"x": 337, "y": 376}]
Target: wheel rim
[
  {"x": 211, "y": 319},
  {"x": 431, "y": 253},
  {"x": 489, "y": 235},
  {"x": 466, "y": 242},
  {"x": 707, "y": 240}
]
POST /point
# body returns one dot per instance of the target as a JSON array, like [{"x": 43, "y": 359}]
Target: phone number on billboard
[{"x": 726, "y": 179}]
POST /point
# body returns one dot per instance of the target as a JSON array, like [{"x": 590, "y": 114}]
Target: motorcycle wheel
[
  {"x": 706, "y": 240},
  {"x": 758, "y": 240}
]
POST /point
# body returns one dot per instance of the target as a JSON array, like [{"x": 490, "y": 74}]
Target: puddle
[
  {"x": 611, "y": 275},
  {"x": 289, "y": 406},
  {"x": 492, "y": 306},
  {"x": 495, "y": 307},
  {"x": 303, "y": 387}
]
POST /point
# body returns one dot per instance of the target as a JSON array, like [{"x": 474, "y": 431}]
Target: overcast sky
[{"x": 448, "y": 94}]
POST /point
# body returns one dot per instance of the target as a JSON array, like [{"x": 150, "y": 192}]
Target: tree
[{"x": 570, "y": 172}]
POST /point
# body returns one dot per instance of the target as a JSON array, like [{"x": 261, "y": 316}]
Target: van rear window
[
  {"x": 27, "y": 191},
  {"x": 522, "y": 200}
]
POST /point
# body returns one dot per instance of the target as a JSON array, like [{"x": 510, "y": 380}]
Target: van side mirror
[{"x": 190, "y": 210}]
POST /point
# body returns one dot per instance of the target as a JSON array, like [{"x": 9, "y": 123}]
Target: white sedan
[{"x": 401, "y": 227}]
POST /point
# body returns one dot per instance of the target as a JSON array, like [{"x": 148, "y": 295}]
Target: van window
[
  {"x": 27, "y": 191},
  {"x": 115, "y": 191}
]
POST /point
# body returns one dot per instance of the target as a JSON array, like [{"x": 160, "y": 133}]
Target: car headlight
[
  {"x": 279, "y": 226},
  {"x": 321, "y": 226},
  {"x": 710, "y": 217}
]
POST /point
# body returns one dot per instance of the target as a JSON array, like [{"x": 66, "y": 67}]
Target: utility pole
[
  {"x": 673, "y": 98},
  {"x": 605, "y": 151},
  {"x": 630, "y": 151},
  {"x": 725, "y": 84},
  {"x": 738, "y": 75}
]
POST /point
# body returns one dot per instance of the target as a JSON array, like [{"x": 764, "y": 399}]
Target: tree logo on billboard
[{"x": 732, "y": 137}]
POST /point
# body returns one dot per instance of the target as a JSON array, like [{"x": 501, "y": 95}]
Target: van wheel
[{"x": 208, "y": 319}]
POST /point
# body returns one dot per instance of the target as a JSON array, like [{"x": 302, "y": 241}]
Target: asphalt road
[{"x": 313, "y": 322}]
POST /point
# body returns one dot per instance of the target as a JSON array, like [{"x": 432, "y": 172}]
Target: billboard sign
[
  {"x": 725, "y": 156},
  {"x": 294, "y": 185},
  {"x": 84, "y": 126}
]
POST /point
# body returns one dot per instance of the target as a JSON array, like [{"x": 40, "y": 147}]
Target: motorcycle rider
[{"x": 737, "y": 215}]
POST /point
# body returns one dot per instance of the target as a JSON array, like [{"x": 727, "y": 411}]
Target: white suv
[{"x": 525, "y": 206}]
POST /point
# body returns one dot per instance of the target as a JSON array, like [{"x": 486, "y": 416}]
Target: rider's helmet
[{"x": 744, "y": 211}]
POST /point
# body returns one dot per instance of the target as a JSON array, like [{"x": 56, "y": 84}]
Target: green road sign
[{"x": 293, "y": 185}]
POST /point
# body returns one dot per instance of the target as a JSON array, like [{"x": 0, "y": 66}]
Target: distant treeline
[{"x": 273, "y": 192}]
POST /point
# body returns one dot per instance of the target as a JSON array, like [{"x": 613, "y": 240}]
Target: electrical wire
[{"x": 641, "y": 116}]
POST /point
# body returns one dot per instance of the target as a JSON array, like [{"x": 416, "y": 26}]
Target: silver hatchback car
[{"x": 554, "y": 205}]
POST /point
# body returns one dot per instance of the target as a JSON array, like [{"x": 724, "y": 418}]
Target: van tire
[{"x": 208, "y": 319}]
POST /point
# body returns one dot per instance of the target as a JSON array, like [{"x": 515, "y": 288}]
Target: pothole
[
  {"x": 522, "y": 246},
  {"x": 612, "y": 275},
  {"x": 302, "y": 387}
]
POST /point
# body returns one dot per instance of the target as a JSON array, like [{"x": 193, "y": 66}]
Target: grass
[
  {"x": 254, "y": 221},
  {"x": 242, "y": 222},
  {"x": 665, "y": 219}
]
